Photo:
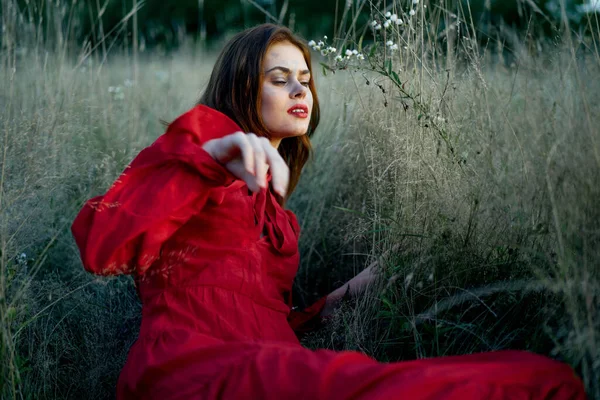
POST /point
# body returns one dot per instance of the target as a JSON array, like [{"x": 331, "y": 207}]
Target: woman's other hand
[
  {"x": 354, "y": 287},
  {"x": 249, "y": 157}
]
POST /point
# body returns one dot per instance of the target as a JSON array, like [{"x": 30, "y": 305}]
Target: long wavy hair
[{"x": 235, "y": 87}]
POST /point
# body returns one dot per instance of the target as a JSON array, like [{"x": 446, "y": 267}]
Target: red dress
[{"x": 216, "y": 320}]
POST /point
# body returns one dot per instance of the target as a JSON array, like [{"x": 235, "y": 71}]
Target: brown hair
[{"x": 235, "y": 86}]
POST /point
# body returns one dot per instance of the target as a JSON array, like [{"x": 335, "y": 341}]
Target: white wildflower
[
  {"x": 374, "y": 23},
  {"x": 377, "y": 27},
  {"x": 394, "y": 47},
  {"x": 325, "y": 37},
  {"x": 354, "y": 52},
  {"x": 388, "y": 14},
  {"x": 312, "y": 43},
  {"x": 415, "y": 1},
  {"x": 324, "y": 52},
  {"x": 386, "y": 24},
  {"x": 117, "y": 92},
  {"x": 348, "y": 53},
  {"x": 360, "y": 56},
  {"x": 394, "y": 18},
  {"x": 339, "y": 58},
  {"x": 399, "y": 21},
  {"x": 389, "y": 43},
  {"x": 430, "y": 277},
  {"x": 320, "y": 44},
  {"x": 22, "y": 260},
  {"x": 412, "y": 12}
]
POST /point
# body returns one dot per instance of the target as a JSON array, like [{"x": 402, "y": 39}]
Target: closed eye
[{"x": 306, "y": 84}]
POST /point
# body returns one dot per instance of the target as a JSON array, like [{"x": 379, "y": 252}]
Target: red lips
[
  {"x": 301, "y": 110},
  {"x": 302, "y": 107}
]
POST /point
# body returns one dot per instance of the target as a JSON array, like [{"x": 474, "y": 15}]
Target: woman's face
[{"x": 286, "y": 100}]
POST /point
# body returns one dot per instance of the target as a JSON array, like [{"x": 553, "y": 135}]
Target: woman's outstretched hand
[
  {"x": 353, "y": 287},
  {"x": 249, "y": 157}
]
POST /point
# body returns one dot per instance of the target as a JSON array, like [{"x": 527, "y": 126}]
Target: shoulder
[
  {"x": 188, "y": 132},
  {"x": 182, "y": 143},
  {"x": 202, "y": 124}
]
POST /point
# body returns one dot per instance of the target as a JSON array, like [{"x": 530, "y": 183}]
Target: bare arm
[
  {"x": 357, "y": 285},
  {"x": 354, "y": 287}
]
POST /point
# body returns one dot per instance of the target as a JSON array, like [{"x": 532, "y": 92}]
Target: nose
[{"x": 298, "y": 91}]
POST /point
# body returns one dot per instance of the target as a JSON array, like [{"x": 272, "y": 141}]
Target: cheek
[
  {"x": 268, "y": 102},
  {"x": 269, "y": 99},
  {"x": 271, "y": 107}
]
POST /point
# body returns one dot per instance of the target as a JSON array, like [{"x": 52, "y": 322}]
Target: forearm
[
  {"x": 353, "y": 287},
  {"x": 333, "y": 300}
]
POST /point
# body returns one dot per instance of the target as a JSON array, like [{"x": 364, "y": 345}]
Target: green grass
[{"x": 496, "y": 243}]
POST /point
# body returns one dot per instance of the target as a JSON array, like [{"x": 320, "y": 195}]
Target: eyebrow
[{"x": 287, "y": 70}]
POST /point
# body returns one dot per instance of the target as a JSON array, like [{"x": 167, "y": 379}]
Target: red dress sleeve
[
  {"x": 308, "y": 319},
  {"x": 122, "y": 231}
]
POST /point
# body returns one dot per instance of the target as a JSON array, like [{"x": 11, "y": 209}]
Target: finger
[
  {"x": 281, "y": 177},
  {"x": 241, "y": 141},
  {"x": 259, "y": 161},
  {"x": 236, "y": 167},
  {"x": 280, "y": 172}
]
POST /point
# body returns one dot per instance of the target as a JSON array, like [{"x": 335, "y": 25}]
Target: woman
[{"x": 198, "y": 219}]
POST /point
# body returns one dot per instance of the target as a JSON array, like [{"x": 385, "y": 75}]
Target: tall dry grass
[
  {"x": 495, "y": 243},
  {"x": 477, "y": 174}
]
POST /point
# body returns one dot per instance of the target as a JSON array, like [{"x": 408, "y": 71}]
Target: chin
[
  {"x": 290, "y": 134},
  {"x": 296, "y": 134}
]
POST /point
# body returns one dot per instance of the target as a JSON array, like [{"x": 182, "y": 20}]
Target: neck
[{"x": 275, "y": 142}]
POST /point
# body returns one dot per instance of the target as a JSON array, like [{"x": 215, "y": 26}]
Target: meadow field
[{"x": 469, "y": 172}]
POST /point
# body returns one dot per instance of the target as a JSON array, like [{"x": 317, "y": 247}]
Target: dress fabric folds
[{"x": 214, "y": 265}]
